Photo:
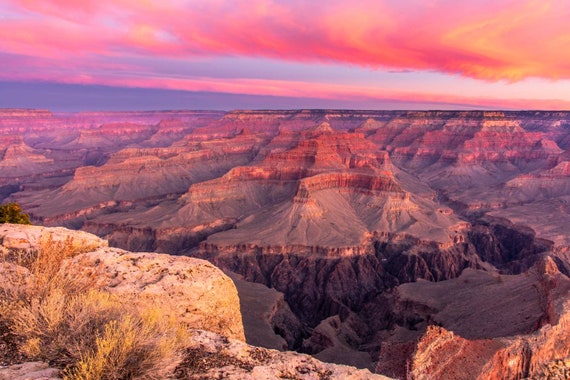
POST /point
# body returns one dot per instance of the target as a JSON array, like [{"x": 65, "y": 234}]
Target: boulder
[{"x": 189, "y": 289}]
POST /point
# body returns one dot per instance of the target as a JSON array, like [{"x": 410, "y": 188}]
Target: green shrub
[{"x": 12, "y": 213}]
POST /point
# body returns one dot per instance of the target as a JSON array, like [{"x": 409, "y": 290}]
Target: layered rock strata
[
  {"x": 337, "y": 210},
  {"x": 445, "y": 354}
]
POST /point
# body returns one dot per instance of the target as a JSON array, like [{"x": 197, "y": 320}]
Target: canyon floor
[{"x": 428, "y": 244}]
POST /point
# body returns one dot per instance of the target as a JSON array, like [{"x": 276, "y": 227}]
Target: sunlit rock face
[
  {"x": 512, "y": 348},
  {"x": 191, "y": 290},
  {"x": 358, "y": 219}
]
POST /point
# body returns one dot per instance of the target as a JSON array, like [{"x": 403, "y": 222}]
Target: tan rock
[
  {"x": 29, "y": 371},
  {"x": 192, "y": 290},
  {"x": 210, "y": 356},
  {"x": 18, "y": 236},
  {"x": 12, "y": 276}
]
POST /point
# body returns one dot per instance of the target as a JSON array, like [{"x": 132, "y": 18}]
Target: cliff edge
[{"x": 191, "y": 292}]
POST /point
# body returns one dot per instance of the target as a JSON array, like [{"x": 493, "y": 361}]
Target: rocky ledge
[
  {"x": 188, "y": 289},
  {"x": 542, "y": 353},
  {"x": 191, "y": 290},
  {"x": 212, "y": 356}
]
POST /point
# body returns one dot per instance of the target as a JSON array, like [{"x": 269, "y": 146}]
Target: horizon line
[{"x": 508, "y": 110}]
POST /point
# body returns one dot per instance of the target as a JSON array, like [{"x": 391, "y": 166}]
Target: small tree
[{"x": 12, "y": 213}]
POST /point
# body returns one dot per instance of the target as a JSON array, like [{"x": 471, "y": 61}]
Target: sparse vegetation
[
  {"x": 201, "y": 361},
  {"x": 53, "y": 316},
  {"x": 12, "y": 213}
]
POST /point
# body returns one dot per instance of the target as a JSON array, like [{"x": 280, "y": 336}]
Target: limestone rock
[
  {"x": 211, "y": 356},
  {"x": 18, "y": 236},
  {"x": 192, "y": 290},
  {"x": 29, "y": 371},
  {"x": 189, "y": 289}
]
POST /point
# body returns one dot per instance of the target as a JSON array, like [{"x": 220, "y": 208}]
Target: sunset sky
[{"x": 223, "y": 54}]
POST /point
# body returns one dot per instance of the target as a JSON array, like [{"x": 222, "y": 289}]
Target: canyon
[{"x": 425, "y": 244}]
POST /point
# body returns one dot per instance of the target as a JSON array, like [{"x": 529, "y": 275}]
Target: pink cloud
[
  {"x": 285, "y": 88},
  {"x": 103, "y": 41},
  {"x": 48, "y": 39},
  {"x": 482, "y": 39}
]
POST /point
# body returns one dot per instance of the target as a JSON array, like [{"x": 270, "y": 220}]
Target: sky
[{"x": 73, "y": 55}]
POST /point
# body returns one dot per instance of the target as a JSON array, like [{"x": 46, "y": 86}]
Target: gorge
[{"x": 387, "y": 240}]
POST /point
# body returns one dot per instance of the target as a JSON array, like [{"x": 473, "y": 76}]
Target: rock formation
[
  {"x": 360, "y": 228},
  {"x": 211, "y": 357},
  {"x": 29, "y": 371},
  {"x": 445, "y": 354},
  {"x": 191, "y": 290},
  {"x": 41, "y": 150}
]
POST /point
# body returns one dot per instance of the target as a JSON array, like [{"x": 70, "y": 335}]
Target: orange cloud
[
  {"x": 106, "y": 42},
  {"x": 502, "y": 39}
]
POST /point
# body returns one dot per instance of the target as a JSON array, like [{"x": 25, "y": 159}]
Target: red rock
[{"x": 342, "y": 211}]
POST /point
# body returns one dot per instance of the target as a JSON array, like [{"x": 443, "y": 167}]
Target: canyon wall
[{"x": 342, "y": 212}]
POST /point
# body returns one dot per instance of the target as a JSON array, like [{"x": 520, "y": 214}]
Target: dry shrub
[
  {"x": 59, "y": 326},
  {"x": 43, "y": 270},
  {"x": 90, "y": 333},
  {"x": 140, "y": 346}
]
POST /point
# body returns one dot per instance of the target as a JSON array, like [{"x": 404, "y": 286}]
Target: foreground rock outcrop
[
  {"x": 192, "y": 291},
  {"x": 26, "y": 237},
  {"x": 29, "y": 371},
  {"x": 211, "y": 357}
]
